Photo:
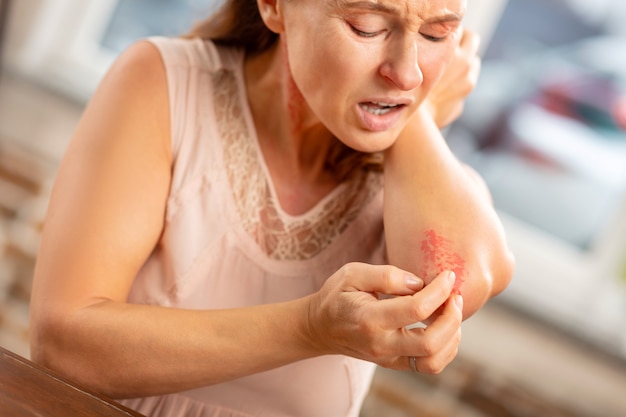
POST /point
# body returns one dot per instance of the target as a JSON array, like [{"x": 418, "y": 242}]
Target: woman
[{"x": 214, "y": 244}]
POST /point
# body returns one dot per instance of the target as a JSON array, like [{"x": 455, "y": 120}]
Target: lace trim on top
[{"x": 298, "y": 238}]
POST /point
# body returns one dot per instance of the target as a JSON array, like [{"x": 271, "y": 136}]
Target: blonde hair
[{"x": 236, "y": 23}]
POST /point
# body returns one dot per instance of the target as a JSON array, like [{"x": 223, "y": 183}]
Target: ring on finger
[{"x": 412, "y": 364}]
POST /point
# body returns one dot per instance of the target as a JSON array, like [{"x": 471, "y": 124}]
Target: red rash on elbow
[{"x": 438, "y": 256}]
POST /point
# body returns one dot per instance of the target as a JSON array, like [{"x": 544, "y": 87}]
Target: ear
[{"x": 272, "y": 14}]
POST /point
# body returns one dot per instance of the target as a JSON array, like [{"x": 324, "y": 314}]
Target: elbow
[
  {"x": 42, "y": 331},
  {"x": 60, "y": 343},
  {"x": 39, "y": 335},
  {"x": 489, "y": 280},
  {"x": 53, "y": 347},
  {"x": 503, "y": 272}
]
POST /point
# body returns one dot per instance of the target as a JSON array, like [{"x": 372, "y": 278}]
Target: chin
[{"x": 370, "y": 142}]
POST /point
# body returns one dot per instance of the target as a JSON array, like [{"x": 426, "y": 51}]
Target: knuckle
[
  {"x": 377, "y": 349},
  {"x": 366, "y": 331},
  {"x": 434, "y": 369},
  {"x": 385, "y": 278},
  {"x": 348, "y": 272},
  {"x": 388, "y": 276},
  {"x": 428, "y": 348},
  {"x": 378, "y": 352},
  {"x": 419, "y": 311},
  {"x": 369, "y": 338},
  {"x": 433, "y": 366},
  {"x": 348, "y": 269}
]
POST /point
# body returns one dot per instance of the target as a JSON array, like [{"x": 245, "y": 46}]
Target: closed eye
[
  {"x": 433, "y": 38},
  {"x": 439, "y": 32},
  {"x": 364, "y": 34}
]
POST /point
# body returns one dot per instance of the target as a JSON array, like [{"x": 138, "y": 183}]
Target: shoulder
[
  {"x": 140, "y": 65},
  {"x": 130, "y": 104},
  {"x": 196, "y": 53}
]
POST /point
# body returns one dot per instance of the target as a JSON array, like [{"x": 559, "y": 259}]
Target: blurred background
[{"x": 546, "y": 127}]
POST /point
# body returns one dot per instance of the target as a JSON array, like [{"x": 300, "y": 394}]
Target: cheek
[
  {"x": 321, "y": 67},
  {"x": 433, "y": 62},
  {"x": 327, "y": 76}
]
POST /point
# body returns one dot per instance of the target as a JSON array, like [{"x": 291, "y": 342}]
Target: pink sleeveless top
[{"x": 227, "y": 243}]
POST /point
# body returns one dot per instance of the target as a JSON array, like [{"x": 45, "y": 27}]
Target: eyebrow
[
  {"x": 368, "y": 5},
  {"x": 448, "y": 17},
  {"x": 380, "y": 7}
]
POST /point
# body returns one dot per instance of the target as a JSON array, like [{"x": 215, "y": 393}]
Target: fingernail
[
  {"x": 458, "y": 300},
  {"x": 452, "y": 277},
  {"x": 412, "y": 282}
]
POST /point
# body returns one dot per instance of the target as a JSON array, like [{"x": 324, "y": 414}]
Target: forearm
[
  {"x": 126, "y": 350},
  {"x": 438, "y": 217}
]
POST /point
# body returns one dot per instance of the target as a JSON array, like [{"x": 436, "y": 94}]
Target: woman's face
[{"x": 363, "y": 66}]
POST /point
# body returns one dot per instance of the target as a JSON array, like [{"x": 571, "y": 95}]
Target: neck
[
  {"x": 281, "y": 115},
  {"x": 294, "y": 143}
]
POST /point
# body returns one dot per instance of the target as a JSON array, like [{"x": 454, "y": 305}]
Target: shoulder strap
[{"x": 184, "y": 52}]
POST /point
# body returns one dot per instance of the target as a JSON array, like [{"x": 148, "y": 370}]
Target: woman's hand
[
  {"x": 347, "y": 316},
  {"x": 446, "y": 100}
]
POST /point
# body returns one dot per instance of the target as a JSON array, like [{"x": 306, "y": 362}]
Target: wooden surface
[{"x": 29, "y": 390}]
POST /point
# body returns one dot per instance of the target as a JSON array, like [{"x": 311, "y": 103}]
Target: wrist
[{"x": 308, "y": 333}]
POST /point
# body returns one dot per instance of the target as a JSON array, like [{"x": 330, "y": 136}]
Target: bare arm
[
  {"x": 438, "y": 216},
  {"x": 105, "y": 217},
  {"x": 438, "y": 212}
]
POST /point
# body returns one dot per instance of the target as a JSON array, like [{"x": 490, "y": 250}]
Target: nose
[{"x": 401, "y": 67}]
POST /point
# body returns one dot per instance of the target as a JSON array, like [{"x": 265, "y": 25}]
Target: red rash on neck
[
  {"x": 295, "y": 100},
  {"x": 438, "y": 256}
]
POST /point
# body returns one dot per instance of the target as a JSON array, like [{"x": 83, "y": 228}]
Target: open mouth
[
  {"x": 379, "y": 108},
  {"x": 381, "y": 115}
]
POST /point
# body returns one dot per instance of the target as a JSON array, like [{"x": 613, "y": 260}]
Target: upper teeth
[{"x": 384, "y": 108}]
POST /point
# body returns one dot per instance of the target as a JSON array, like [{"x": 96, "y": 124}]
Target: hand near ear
[{"x": 446, "y": 100}]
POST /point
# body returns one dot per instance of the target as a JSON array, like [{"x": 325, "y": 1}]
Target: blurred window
[{"x": 135, "y": 19}]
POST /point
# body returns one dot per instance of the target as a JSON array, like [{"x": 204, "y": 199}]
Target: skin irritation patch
[
  {"x": 438, "y": 256},
  {"x": 295, "y": 100}
]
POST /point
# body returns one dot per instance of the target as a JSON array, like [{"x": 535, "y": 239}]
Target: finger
[
  {"x": 428, "y": 340},
  {"x": 475, "y": 68},
  {"x": 436, "y": 346},
  {"x": 401, "y": 311},
  {"x": 385, "y": 279},
  {"x": 447, "y": 322},
  {"x": 433, "y": 364},
  {"x": 470, "y": 41},
  {"x": 436, "y": 363}
]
